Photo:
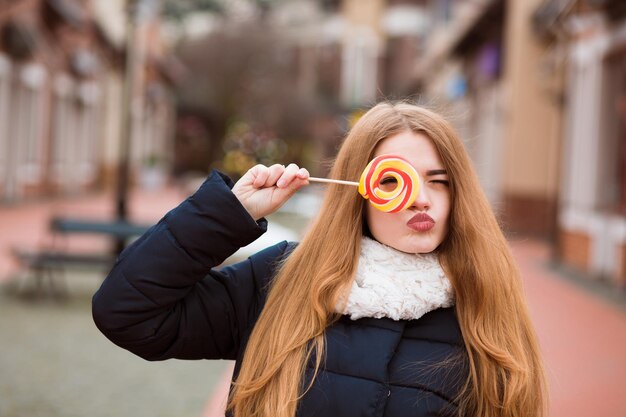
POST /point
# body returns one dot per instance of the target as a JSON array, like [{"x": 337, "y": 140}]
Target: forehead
[{"x": 417, "y": 148}]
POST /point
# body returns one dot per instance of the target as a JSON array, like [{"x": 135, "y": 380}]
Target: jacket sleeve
[{"x": 163, "y": 299}]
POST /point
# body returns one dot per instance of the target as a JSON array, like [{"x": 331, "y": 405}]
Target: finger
[
  {"x": 275, "y": 171},
  {"x": 295, "y": 185},
  {"x": 288, "y": 176},
  {"x": 259, "y": 175},
  {"x": 303, "y": 173}
]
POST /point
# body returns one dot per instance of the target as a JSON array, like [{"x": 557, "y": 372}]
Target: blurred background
[{"x": 114, "y": 111}]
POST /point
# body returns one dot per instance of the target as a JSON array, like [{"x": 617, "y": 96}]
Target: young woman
[{"x": 413, "y": 313}]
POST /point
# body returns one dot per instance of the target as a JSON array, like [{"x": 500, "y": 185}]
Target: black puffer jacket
[{"x": 163, "y": 299}]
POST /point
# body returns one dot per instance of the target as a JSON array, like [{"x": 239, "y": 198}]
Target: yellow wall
[
  {"x": 364, "y": 13},
  {"x": 532, "y": 125}
]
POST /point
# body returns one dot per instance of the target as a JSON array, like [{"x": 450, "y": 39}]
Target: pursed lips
[{"x": 421, "y": 222}]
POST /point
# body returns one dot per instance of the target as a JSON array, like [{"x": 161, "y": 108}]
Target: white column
[
  {"x": 488, "y": 149},
  {"x": 581, "y": 147},
  {"x": 584, "y": 156},
  {"x": 359, "y": 70}
]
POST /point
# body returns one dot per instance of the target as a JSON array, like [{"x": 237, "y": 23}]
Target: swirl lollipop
[
  {"x": 380, "y": 169},
  {"x": 389, "y": 166}
]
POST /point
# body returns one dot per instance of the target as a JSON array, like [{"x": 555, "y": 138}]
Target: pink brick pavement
[{"x": 583, "y": 337}]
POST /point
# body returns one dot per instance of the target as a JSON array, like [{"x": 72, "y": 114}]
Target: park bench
[{"x": 46, "y": 265}]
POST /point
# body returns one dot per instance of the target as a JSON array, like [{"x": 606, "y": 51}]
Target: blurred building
[
  {"x": 481, "y": 64},
  {"x": 587, "y": 42},
  {"x": 350, "y": 54},
  {"x": 61, "y": 78},
  {"x": 344, "y": 54},
  {"x": 153, "y": 107},
  {"x": 536, "y": 89}
]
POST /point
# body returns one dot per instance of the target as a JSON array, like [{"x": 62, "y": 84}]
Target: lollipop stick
[{"x": 314, "y": 179}]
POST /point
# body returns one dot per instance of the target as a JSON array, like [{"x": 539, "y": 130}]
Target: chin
[
  {"x": 414, "y": 247},
  {"x": 422, "y": 250}
]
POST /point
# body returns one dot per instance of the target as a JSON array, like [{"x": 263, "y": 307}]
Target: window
[
  {"x": 88, "y": 131},
  {"x": 5, "y": 88},
  {"x": 62, "y": 131},
  {"x": 29, "y": 104},
  {"x": 76, "y": 133}
]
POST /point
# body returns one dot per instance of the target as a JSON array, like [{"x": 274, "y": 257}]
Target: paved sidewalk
[{"x": 583, "y": 338}]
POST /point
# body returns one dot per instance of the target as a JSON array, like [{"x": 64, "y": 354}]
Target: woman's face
[{"x": 424, "y": 225}]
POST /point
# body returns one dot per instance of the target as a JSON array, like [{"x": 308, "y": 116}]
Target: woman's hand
[{"x": 263, "y": 190}]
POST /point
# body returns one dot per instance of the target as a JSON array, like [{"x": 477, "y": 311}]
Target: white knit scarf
[{"x": 394, "y": 284}]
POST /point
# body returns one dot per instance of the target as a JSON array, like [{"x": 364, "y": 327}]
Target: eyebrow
[{"x": 434, "y": 172}]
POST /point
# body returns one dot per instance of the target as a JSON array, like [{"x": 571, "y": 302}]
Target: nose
[{"x": 422, "y": 202}]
